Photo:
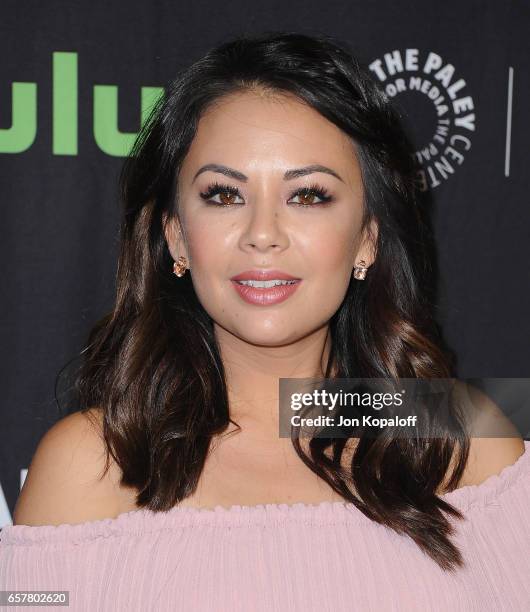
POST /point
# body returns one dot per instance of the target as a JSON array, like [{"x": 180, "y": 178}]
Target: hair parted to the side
[{"x": 153, "y": 364}]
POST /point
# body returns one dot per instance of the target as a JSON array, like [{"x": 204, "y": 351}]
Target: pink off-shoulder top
[{"x": 279, "y": 557}]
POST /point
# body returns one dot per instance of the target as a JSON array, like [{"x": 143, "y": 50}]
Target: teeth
[{"x": 266, "y": 284}]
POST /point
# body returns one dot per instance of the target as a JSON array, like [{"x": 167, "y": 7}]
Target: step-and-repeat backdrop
[{"x": 76, "y": 80}]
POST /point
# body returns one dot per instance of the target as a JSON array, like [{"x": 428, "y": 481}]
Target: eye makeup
[{"x": 313, "y": 190}]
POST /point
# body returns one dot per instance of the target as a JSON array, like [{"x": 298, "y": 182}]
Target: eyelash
[{"x": 313, "y": 189}]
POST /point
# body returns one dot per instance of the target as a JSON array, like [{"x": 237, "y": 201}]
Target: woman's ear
[
  {"x": 367, "y": 251},
  {"x": 173, "y": 234}
]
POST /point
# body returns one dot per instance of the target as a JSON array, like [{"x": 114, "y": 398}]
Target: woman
[{"x": 273, "y": 158}]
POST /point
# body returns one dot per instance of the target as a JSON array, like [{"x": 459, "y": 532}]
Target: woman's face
[{"x": 260, "y": 223}]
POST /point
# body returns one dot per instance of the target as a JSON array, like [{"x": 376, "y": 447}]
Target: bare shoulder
[
  {"x": 489, "y": 456},
  {"x": 495, "y": 442},
  {"x": 66, "y": 480}
]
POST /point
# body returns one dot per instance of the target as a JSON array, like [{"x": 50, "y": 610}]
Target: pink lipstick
[{"x": 265, "y": 287}]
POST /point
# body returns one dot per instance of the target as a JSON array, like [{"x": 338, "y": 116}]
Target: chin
[{"x": 265, "y": 336}]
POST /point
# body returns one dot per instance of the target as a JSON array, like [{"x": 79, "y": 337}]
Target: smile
[
  {"x": 265, "y": 293},
  {"x": 265, "y": 284}
]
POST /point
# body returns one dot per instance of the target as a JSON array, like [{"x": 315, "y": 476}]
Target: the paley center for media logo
[{"x": 447, "y": 140}]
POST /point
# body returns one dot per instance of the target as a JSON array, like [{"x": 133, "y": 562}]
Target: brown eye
[
  {"x": 307, "y": 195},
  {"x": 226, "y": 193},
  {"x": 226, "y": 199},
  {"x": 306, "y": 199}
]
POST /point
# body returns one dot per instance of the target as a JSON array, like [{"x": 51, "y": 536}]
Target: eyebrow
[{"x": 288, "y": 175}]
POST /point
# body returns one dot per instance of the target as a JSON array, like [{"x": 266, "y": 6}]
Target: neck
[{"x": 253, "y": 373}]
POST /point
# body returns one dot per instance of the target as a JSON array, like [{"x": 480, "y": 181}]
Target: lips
[
  {"x": 263, "y": 275},
  {"x": 266, "y": 296}
]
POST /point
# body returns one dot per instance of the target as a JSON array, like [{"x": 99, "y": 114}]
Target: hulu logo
[{"x": 21, "y": 135}]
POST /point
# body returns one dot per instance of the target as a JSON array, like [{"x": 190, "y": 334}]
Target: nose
[{"x": 264, "y": 228}]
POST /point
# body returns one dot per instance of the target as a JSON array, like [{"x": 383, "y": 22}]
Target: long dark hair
[{"x": 153, "y": 365}]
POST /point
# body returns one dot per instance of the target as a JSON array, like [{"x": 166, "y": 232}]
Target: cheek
[
  {"x": 330, "y": 247},
  {"x": 205, "y": 245},
  {"x": 211, "y": 246}
]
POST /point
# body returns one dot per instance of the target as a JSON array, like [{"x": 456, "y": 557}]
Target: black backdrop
[{"x": 72, "y": 78}]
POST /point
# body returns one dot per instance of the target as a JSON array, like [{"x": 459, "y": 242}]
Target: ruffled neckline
[{"x": 143, "y": 520}]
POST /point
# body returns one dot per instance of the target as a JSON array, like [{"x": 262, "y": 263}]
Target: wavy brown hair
[{"x": 153, "y": 364}]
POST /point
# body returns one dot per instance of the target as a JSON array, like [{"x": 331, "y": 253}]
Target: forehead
[{"x": 257, "y": 131}]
